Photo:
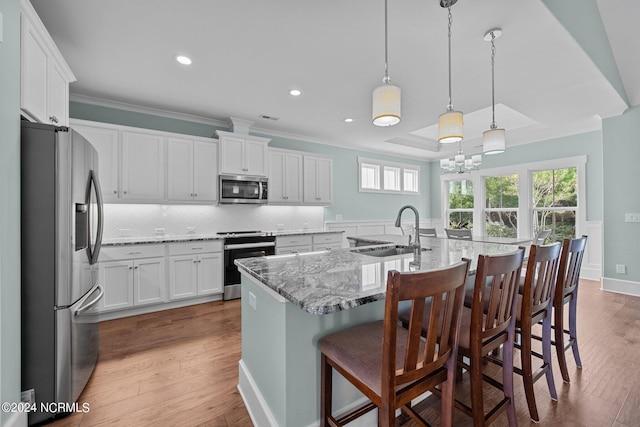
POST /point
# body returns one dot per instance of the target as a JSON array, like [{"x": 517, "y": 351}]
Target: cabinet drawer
[
  {"x": 131, "y": 252},
  {"x": 299, "y": 240},
  {"x": 298, "y": 249},
  {"x": 198, "y": 247},
  {"x": 327, "y": 238},
  {"x": 327, "y": 246}
]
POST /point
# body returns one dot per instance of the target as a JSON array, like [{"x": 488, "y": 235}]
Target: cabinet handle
[
  {"x": 196, "y": 249},
  {"x": 115, "y": 191},
  {"x": 195, "y": 194},
  {"x": 134, "y": 253},
  {"x": 136, "y": 267},
  {"x": 53, "y": 119},
  {"x": 130, "y": 268},
  {"x": 125, "y": 191}
]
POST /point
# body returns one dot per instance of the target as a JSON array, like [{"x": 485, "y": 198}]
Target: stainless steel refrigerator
[{"x": 61, "y": 231}]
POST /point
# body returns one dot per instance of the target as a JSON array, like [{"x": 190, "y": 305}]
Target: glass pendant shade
[
  {"x": 493, "y": 141},
  {"x": 386, "y": 105},
  {"x": 450, "y": 127}
]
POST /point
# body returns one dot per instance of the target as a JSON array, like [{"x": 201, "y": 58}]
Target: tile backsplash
[{"x": 131, "y": 220}]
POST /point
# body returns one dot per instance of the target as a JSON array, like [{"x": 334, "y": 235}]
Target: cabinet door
[
  {"x": 142, "y": 166},
  {"x": 324, "y": 180},
  {"x": 210, "y": 274},
  {"x": 58, "y": 97},
  {"x": 34, "y": 73},
  {"x": 180, "y": 169},
  {"x": 205, "y": 171},
  {"x": 255, "y": 158},
  {"x": 183, "y": 276},
  {"x": 232, "y": 155},
  {"x": 317, "y": 180},
  {"x": 105, "y": 141},
  {"x": 277, "y": 173},
  {"x": 116, "y": 278},
  {"x": 149, "y": 281},
  {"x": 293, "y": 178},
  {"x": 310, "y": 179}
]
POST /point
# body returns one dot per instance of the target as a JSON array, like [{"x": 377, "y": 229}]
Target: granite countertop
[
  {"x": 123, "y": 241},
  {"x": 330, "y": 281}
]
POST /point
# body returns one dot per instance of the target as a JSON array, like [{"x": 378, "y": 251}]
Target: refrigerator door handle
[
  {"x": 84, "y": 307},
  {"x": 94, "y": 184}
]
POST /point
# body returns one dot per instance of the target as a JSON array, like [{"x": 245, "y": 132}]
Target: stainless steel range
[{"x": 242, "y": 244}]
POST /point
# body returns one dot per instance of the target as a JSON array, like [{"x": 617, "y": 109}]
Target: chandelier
[{"x": 461, "y": 163}]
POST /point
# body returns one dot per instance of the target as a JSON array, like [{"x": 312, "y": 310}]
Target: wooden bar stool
[
  {"x": 535, "y": 302},
  {"x": 392, "y": 365},
  {"x": 485, "y": 327},
  {"x": 567, "y": 293}
]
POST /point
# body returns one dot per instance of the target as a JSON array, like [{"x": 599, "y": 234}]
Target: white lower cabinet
[
  {"x": 294, "y": 244},
  {"x": 132, "y": 276},
  {"x": 195, "y": 269},
  {"x": 327, "y": 241}
]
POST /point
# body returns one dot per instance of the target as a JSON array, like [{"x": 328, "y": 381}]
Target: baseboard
[
  {"x": 17, "y": 419},
  {"x": 152, "y": 308},
  {"x": 618, "y": 286},
  {"x": 590, "y": 273},
  {"x": 259, "y": 412}
]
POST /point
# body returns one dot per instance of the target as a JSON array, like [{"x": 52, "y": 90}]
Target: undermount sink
[{"x": 382, "y": 252}]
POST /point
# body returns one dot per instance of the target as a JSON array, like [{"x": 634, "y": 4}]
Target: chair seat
[{"x": 358, "y": 351}]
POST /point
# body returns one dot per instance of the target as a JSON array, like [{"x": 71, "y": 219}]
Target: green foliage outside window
[
  {"x": 555, "y": 189},
  {"x": 501, "y": 193},
  {"x": 460, "y": 198}
]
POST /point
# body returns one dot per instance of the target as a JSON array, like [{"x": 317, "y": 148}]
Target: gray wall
[
  {"x": 621, "y": 195},
  {"x": 10, "y": 205},
  {"x": 347, "y": 201}
]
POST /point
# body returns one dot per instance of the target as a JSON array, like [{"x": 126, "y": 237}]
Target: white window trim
[
  {"x": 381, "y": 164},
  {"x": 525, "y": 185}
]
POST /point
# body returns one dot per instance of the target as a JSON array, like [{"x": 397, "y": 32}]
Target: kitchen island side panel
[{"x": 280, "y": 351}]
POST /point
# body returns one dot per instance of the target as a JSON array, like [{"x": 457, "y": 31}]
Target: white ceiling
[{"x": 247, "y": 54}]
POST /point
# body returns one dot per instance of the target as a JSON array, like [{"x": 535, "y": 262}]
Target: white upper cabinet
[
  {"x": 285, "y": 177},
  {"x": 105, "y": 141},
  {"x": 242, "y": 154},
  {"x": 142, "y": 166},
  {"x": 192, "y": 170},
  {"x": 317, "y": 180},
  {"x": 45, "y": 76}
]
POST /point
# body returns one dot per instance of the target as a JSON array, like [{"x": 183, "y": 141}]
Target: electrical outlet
[
  {"x": 191, "y": 230},
  {"x": 305, "y": 225},
  {"x": 338, "y": 217},
  {"x": 252, "y": 300},
  {"x": 279, "y": 226},
  {"x": 160, "y": 231},
  {"x": 124, "y": 232},
  {"x": 621, "y": 269}
]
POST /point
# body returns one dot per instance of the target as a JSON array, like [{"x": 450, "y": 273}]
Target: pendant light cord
[
  {"x": 450, "y": 105},
  {"x": 493, "y": 99},
  {"x": 386, "y": 62}
]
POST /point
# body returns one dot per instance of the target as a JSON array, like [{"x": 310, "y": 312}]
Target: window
[
  {"x": 386, "y": 177},
  {"x": 555, "y": 202},
  {"x": 460, "y": 204},
  {"x": 411, "y": 180},
  {"x": 501, "y": 206},
  {"x": 369, "y": 176},
  {"x": 391, "y": 178}
]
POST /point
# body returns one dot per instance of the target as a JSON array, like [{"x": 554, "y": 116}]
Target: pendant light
[
  {"x": 493, "y": 140},
  {"x": 450, "y": 126},
  {"x": 386, "y": 98}
]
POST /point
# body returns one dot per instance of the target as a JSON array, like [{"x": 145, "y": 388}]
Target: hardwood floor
[{"x": 180, "y": 368}]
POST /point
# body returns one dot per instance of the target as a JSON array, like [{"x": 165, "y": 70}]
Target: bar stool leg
[{"x": 573, "y": 335}]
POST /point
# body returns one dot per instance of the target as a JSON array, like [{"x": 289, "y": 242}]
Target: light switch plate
[
  {"x": 632, "y": 217},
  {"x": 621, "y": 269}
]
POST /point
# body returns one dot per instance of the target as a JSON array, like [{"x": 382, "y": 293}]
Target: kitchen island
[{"x": 289, "y": 302}]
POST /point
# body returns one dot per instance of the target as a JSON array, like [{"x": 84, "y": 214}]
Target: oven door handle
[{"x": 249, "y": 245}]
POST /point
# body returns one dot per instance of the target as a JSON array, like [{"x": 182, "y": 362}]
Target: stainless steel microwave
[{"x": 243, "y": 189}]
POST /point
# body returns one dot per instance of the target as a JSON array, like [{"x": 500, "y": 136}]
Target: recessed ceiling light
[
  {"x": 184, "y": 60},
  {"x": 348, "y": 120},
  {"x": 295, "y": 92}
]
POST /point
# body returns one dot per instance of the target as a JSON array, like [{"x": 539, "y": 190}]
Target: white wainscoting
[
  {"x": 372, "y": 228},
  {"x": 592, "y": 260}
]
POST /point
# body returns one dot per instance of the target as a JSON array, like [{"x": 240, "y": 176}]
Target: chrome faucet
[{"x": 416, "y": 243}]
